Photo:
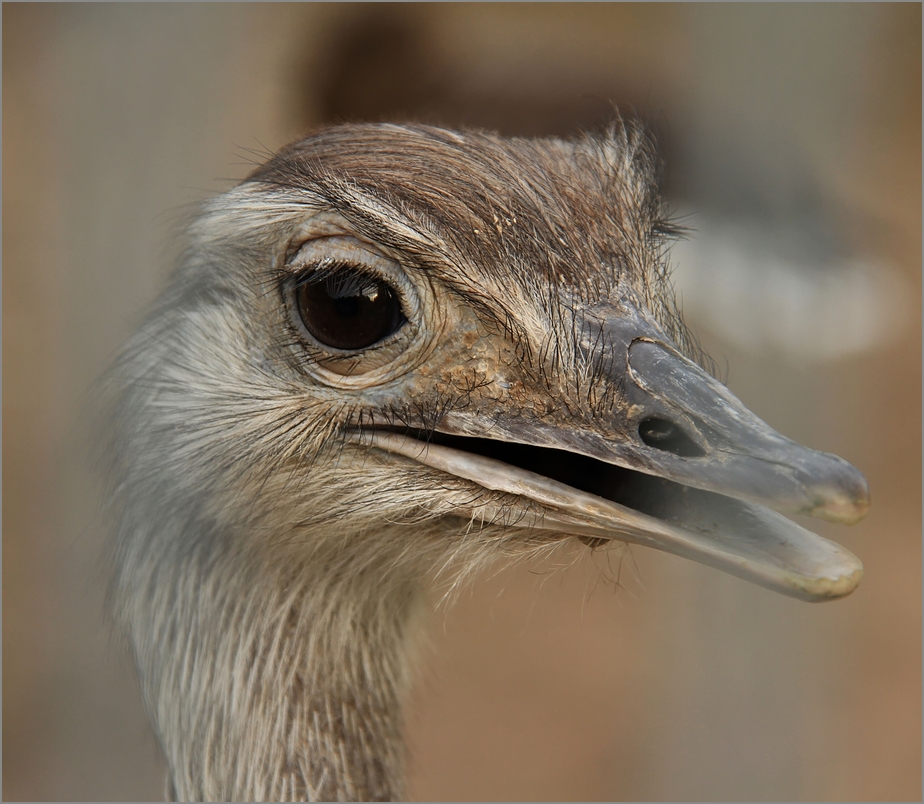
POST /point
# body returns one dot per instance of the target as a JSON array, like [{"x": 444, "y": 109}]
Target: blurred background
[{"x": 792, "y": 135}]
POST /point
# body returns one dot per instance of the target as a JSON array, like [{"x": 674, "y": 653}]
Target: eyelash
[{"x": 324, "y": 269}]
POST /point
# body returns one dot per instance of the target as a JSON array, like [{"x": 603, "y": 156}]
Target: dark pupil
[{"x": 348, "y": 309}]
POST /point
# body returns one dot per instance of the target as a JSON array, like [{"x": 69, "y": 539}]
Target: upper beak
[
  {"x": 734, "y": 452},
  {"x": 704, "y": 459}
]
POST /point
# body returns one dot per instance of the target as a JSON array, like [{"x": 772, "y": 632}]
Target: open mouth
[
  {"x": 614, "y": 483},
  {"x": 680, "y": 465},
  {"x": 595, "y": 499}
]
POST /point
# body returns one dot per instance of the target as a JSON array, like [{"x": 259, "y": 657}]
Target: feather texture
[{"x": 269, "y": 570}]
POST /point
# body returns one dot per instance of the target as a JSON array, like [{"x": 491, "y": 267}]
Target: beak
[
  {"x": 677, "y": 463},
  {"x": 703, "y": 436}
]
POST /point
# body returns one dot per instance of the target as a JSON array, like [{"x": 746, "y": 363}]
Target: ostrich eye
[{"x": 348, "y": 309}]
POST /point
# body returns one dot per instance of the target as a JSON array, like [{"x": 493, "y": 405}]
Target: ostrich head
[{"x": 393, "y": 350}]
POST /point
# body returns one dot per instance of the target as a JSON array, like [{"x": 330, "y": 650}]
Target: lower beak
[{"x": 740, "y": 538}]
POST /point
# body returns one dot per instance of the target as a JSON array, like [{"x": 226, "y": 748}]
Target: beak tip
[
  {"x": 847, "y": 503},
  {"x": 823, "y": 590}
]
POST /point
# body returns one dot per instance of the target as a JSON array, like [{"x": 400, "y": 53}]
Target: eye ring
[
  {"x": 346, "y": 308},
  {"x": 388, "y": 359}
]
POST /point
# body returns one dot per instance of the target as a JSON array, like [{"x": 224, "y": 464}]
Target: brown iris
[{"x": 348, "y": 309}]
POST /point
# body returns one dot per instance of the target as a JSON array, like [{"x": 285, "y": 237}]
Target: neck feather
[{"x": 275, "y": 680}]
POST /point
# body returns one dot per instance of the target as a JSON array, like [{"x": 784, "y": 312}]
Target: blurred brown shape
[{"x": 383, "y": 65}]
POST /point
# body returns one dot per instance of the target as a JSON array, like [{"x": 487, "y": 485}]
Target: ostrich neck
[{"x": 278, "y": 680}]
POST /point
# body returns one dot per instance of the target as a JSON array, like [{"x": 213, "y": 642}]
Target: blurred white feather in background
[{"x": 732, "y": 278}]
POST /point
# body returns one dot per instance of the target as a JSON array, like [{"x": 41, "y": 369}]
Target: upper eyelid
[
  {"x": 344, "y": 248},
  {"x": 361, "y": 259},
  {"x": 319, "y": 271}
]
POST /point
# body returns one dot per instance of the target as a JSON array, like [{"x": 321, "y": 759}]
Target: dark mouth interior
[
  {"x": 708, "y": 512},
  {"x": 633, "y": 489}
]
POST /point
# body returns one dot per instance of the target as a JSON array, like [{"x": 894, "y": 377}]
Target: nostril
[{"x": 665, "y": 435}]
